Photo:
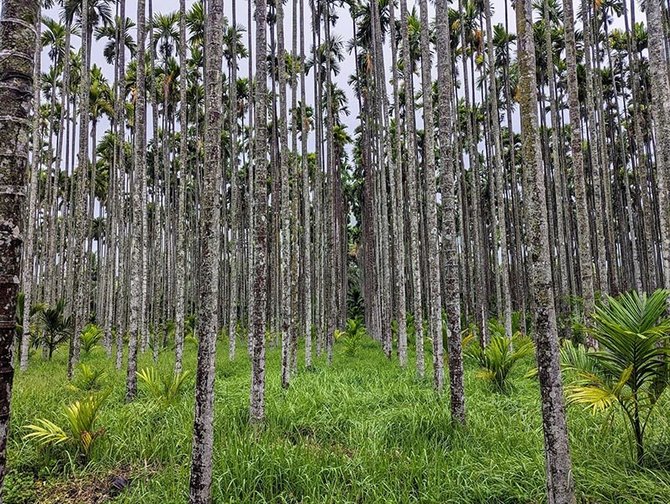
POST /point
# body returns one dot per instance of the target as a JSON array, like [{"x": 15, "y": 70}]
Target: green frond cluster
[
  {"x": 630, "y": 371},
  {"x": 164, "y": 388}
]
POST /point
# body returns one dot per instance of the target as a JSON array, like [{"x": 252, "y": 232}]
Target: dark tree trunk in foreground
[
  {"x": 560, "y": 485},
  {"x": 17, "y": 48}
]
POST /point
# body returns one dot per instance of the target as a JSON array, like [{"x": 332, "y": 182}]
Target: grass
[{"x": 361, "y": 431}]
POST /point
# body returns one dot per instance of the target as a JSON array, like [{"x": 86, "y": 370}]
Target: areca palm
[
  {"x": 99, "y": 12},
  {"x": 630, "y": 371},
  {"x": 112, "y": 33}
]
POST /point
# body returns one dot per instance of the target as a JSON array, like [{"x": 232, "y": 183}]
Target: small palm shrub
[
  {"x": 55, "y": 328},
  {"x": 630, "y": 372},
  {"x": 164, "y": 388},
  {"x": 498, "y": 358},
  {"x": 352, "y": 336},
  {"x": 90, "y": 337},
  {"x": 80, "y": 432},
  {"x": 87, "y": 378}
]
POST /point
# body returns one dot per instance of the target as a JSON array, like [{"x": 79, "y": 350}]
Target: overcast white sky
[{"x": 342, "y": 29}]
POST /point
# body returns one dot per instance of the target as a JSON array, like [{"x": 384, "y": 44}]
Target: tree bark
[
  {"x": 138, "y": 201},
  {"x": 259, "y": 278},
  {"x": 203, "y": 425},
  {"x": 18, "y": 42},
  {"x": 560, "y": 485}
]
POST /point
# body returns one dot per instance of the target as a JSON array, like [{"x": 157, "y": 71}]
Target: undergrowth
[{"x": 361, "y": 431}]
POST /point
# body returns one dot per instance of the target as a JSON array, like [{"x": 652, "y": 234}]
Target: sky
[{"x": 342, "y": 29}]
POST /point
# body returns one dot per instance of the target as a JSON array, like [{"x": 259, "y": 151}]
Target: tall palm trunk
[
  {"x": 415, "y": 239},
  {"x": 285, "y": 194},
  {"x": 306, "y": 198},
  {"x": 435, "y": 295},
  {"x": 203, "y": 425},
  {"x": 183, "y": 167},
  {"x": 81, "y": 306},
  {"x": 138, "y": 202},
  {"x": 398, "y": 203},
  {"x": 18, "y": 43},
  {"x": 560, "y": 485},
  {"x": 583, "y": 221},
  {"x": 449, "y": 237},
  {"x": 259, "y": 278},
  {"x": 27, "y": 271}
]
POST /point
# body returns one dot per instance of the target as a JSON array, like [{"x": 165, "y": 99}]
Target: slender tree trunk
[
  {"x": 306, "y": 197},
  {"x": 398, "y": 204},
  {"x": 449, "y": 237},
  {"x": 560, "y": 485},
  {"x": 183, "y": 177},
  {"x": 435, "y": 295},
  {"x": 27, "y": 271},
  {"x": 81, "y": 305},
  {"x": 203, "y": 426},
  {"x": 583, "y": 221},
  {"x": 138, "y": 200},
  {"x": 415, "y": 238},
  {"x": 285, "y": 236},
  {"x": 259, "y": 277}
]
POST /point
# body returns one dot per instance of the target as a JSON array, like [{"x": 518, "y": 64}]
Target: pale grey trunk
[
  {"x": 138, "y": 212},
  {"x": 398, "y": 202},
  {"x": 306, "y": 198},
  {"x": 181, "y": 218},
  {"x": 502, "y": 265},
  {"x": 81, "y": 305},
  {"x": 562, "y": 209},
  {"x": 658, "y": 64},
  {"x": 414, "y": 237},
  {"x": 449, "y": 237},
  {"x": 435, "y": 294},
  {"x": 285, "y": 194},
  {"x": 236, "y": 229},
  {"x": 583, "y": 222},
  {"x": 203, "y": 425},
  {"x": 27, "y": 270},
  {"x": 259, "y": 277}
]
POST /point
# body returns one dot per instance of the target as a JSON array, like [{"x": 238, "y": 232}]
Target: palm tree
[
  {"x": 138, "y": 207},
  {"x": 560, "y": 485},
  {"x": 259, "y": 280},
  {"x": 18, "y": 43},
  {"x": 181, "y": 217},
  {"x": 453, "y": 308},
  {"x": 27, "y": 272},
  {"x": 115, "y": 33},
  {"x": 203, "y": 428},
  {"x": 435, "y": 294},
  {"x": 80, "y": 286},
  {"x": 414, "y": 238},
  {"x": 55, "y": 328},
  {"x": 630, "y": 371}
]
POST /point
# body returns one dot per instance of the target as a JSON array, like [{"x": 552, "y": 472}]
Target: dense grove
[{"x": 322, "y": 241}]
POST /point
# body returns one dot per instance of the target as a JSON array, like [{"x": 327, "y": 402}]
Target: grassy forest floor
[{"x": 361, "y": 431}]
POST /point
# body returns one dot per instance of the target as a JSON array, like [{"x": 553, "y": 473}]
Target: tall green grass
[{"x": 361, "y": 431}]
